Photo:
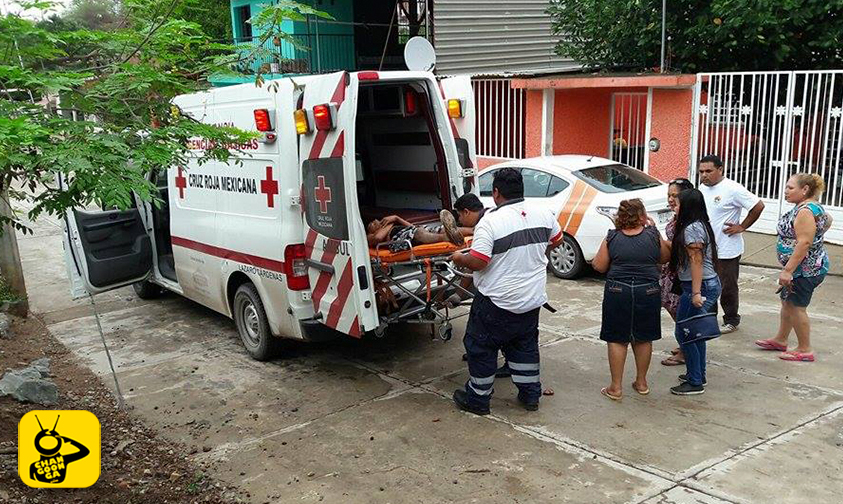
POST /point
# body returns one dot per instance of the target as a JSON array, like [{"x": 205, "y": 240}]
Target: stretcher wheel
[{"x": 445, "y": 332}]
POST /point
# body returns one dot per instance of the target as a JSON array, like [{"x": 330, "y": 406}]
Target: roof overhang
[{"x": 606, "y": 81}]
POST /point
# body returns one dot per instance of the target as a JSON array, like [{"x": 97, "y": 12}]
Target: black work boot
[
  {"x": 529, "y": 405},
  {"x": 461, "y": 399}
]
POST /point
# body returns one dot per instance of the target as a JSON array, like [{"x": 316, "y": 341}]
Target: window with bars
[{"x": 501, "y": 113}]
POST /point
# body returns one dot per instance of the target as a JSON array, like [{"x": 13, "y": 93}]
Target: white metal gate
[
  {"x": 501, "y": 113},
  {"x": 766, "y": 126},
  {"x": 628, "y": 129}
]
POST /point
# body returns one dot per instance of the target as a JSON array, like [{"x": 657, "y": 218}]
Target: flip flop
[
  {"x": 797, "y": 356},
  {"x": 768, "y": 344},
  {"x": 606, "y": 393},
  {"x": 642, "y": 392},
  {"x": 673, "y": 361}
]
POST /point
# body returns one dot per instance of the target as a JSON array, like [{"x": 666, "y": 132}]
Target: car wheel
[
  {"x": 566, "y": 260},
  {"x": 146, "y": 289},
  {"x": 250, "y": 318}
]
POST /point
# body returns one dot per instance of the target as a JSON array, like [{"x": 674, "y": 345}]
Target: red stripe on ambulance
[
  {"x": 338, "y": 97},
  {"x": 331, "y": 247},
  {"x": 339, "y": 147},
  {"x": 354, "y": 331},
  {"x": 343, "y": 290},
  {"x": 233, "y": 255}
]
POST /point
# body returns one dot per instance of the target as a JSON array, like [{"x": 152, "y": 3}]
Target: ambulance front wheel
[
  {"x": 566, "y": 261},
  {"x": 250, "y": 318},
  {"x": 146, "y": 289}
]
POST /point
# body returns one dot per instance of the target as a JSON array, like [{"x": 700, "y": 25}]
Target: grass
[{"x": 6, "y": 293}]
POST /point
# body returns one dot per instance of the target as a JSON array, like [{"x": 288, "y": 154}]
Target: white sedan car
[{"x": 585, "y": 192}]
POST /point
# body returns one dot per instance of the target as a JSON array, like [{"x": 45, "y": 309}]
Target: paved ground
[{"x": 372, "y": 421}]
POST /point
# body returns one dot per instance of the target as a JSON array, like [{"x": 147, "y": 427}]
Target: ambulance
[{"x": 275, "y": 238}]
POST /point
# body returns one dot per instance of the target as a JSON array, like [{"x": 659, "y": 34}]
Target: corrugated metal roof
[{"x": 492, "y": 37}]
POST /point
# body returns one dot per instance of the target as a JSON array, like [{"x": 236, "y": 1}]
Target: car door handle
[{"x": 327, "y": 268}]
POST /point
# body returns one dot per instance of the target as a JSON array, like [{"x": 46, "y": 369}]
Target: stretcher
[{"x": 412, "y": 285}]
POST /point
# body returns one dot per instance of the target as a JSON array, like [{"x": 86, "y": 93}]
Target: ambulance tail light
[
  {"x": 455, "y": 108},
  {"x": 324, "y": 116},
  {"x": 262, "y": 120},
  {"x": 295, "y": 267},
  {"x": 302, "y": 124}
]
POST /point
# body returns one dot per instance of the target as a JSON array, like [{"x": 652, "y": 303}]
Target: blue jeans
[{"x": 695, "y": 351}]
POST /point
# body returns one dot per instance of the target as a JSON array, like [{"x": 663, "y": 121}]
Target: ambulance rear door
[
  {"x": 336, "y": 249},
  {"x": 462, "y": 125},
  {"x": 105, "y": 249}
]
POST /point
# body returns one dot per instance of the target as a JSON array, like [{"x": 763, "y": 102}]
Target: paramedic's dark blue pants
[{"x": 491, "y": 329}]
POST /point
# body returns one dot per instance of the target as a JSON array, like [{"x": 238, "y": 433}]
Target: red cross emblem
[
  {"x": 322, "y": 194},
  {"x": 269, "y": 187},
  {"x": 181, "y": 183}
]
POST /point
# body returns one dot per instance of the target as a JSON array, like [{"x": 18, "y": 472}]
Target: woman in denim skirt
[
  {"x": 631, "y": 254},
  {"x": 692, "y": 258}
]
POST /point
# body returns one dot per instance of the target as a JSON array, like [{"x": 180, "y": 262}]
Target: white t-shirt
[
  {"x": 513, "y": 239},
  {"x": 725, "y": 201}
]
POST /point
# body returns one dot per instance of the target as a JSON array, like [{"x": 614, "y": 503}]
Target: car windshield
[{"x": 616, "y": 178}]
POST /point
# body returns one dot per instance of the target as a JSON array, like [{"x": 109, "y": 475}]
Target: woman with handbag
[
  {"x": 631, "y": 254},
  {"x": 692, "y": 259},
  {"x": 804, "y": 261},
  {"x": 671, "y": 288}
]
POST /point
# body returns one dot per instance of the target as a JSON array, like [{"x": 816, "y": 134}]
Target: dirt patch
[{"x": 137, "y": 465}]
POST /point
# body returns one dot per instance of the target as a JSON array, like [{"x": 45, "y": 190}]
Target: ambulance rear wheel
[
  {"x": 250, "y": 318},
  {"x": 146, "y": 289},
  {"x": 566, "y": 261}
]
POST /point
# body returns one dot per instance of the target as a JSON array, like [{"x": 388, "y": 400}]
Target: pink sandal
[
  {"x": 768, "y": 344},
  {"x": 797, "y": 356}
]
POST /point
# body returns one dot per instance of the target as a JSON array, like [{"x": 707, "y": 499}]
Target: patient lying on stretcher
[{"x": 398, "y": 232}]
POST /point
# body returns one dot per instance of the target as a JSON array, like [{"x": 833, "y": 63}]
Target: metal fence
[
  {"x": 628, "y": 130},
  {"x": 501, "y": 114},
  {"x": 301, "y": 53},
  {"x": 766, "y": 126}
]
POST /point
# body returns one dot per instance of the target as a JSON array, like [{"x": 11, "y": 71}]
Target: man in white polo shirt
[
  {"x": 509, "y": 261},
  {"x": 725, "y": 200}
]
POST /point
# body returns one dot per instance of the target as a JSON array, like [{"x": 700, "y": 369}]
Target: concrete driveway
[{"x": 372, "y": 421}]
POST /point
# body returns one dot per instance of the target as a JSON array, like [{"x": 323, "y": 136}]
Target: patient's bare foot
[{"x": 449, "y": 224}]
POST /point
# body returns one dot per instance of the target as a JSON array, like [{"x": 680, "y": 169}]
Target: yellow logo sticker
[{"x": 59, "y": 449}]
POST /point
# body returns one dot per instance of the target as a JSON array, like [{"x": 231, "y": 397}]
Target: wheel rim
[
  {"x": 251, "y": 323},
  {"x": 563, "y": 257}
]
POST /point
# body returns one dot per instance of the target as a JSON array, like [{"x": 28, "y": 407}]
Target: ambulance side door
[
  {"x": 463, "y": 127},
  {"x": 336, "y": 249},
  {"x": 105, "y": 249}
]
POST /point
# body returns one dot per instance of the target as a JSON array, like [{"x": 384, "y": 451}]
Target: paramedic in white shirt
[
  {"x": 508, "y": 256},
  {"x": 725, "y": 200}
]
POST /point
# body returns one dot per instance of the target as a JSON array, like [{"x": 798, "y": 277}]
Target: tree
[
  {"x": 95, "y": 106},
  {"x": 94, "y": 14},
  {"x": 718, "y": 35}
]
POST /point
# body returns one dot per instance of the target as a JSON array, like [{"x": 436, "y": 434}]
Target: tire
[
  {"x": 252, "y": 325},
  {"x": 146, "y": 289},
  {"x": 566, "y": 261}
]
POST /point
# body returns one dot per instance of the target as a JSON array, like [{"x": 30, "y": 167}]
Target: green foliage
[
  {"x": 718, "y": 35},
  {"x": 94, "y": 106},
  {"x": 7, "y": 295}
]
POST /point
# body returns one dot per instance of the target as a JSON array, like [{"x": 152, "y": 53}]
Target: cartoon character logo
[
  {"x": 52, "y": 465},
  {"x": 717, "y": 199}
]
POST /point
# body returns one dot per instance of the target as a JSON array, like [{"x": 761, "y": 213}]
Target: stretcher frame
[{"x": 437, "y": 279}]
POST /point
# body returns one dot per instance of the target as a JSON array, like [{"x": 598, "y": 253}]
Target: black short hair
[
  {"x": 468, "y": 201},
  {"x": 713, "y": 159},
  {"x": 509, "y": 183}
]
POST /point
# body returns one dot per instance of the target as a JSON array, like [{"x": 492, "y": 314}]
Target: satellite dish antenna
[{"x": 419, "y": 55}]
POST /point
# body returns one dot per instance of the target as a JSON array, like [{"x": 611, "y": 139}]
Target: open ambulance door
[
  {"x": 463, "y": 125},
  {"x": 336, "y": 250},
  {"x": 105, "y": 249}
]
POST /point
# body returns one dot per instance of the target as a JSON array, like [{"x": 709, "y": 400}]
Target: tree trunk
[{"x": 10, "y": 265}]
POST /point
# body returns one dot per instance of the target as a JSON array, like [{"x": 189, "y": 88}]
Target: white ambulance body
[{"x": 275, "y": 238}]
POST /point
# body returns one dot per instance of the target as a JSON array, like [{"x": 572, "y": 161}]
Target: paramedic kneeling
[{"x": 509, "y": 261}]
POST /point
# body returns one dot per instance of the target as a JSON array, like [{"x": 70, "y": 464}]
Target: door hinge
[
  {"x": 469, "y": 172},
  {"x": 295, "y": 200}
]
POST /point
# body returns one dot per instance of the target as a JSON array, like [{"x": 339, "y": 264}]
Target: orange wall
[
  {"x": 581, "y": 124},
  {"x": 533, "y": 124},
  {"x": 671, "y": 123}
]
